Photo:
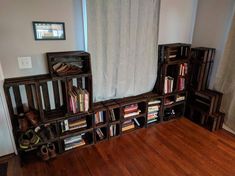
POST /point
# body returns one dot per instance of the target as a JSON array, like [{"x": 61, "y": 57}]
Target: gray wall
[
  {"x": 16, "y": 32},
  {"x": 212, "y": 25}
]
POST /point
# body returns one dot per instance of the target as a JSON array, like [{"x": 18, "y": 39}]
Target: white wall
[
  {"x": 16, "y": 32},
  {"x": 6, "y": 138},
  {"x": 212, "y": 25},
  {"x": 177, "y": 18}
]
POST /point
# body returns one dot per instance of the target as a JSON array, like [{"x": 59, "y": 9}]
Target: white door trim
[{"x": 5, "y": 109}]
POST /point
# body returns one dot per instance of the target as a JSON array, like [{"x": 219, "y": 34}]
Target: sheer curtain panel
[{"x": 122, "y": 40}]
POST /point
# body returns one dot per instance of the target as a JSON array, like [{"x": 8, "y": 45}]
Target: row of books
[
  {"x": 73, "y": 124},
  {"x": 131, "y": 110},
  {"x": 112, "y": 115},
  {"x": 153, "y": 111},
  {"x": 181, "y": 83},
  {"x": 113, "y": 130},
  {"x": 100, "y": 133},
  {"x": 183, "y": 69},
  {"x": 99, "y": 117},
  {"x": 73, "y": 142},
  {"x": 168, "y": 85},
  {"x": 78, "y": 100}
]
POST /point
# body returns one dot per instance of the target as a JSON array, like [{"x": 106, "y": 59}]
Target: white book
[{"x": 136, "y": 121}]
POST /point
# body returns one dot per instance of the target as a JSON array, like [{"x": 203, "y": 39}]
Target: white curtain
[
  {"x": 122, "y": 40},
  {"x": 225, "y": 79}
]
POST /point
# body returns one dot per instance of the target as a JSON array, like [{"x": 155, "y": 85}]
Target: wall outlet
[{"x": 25, "y": 62}]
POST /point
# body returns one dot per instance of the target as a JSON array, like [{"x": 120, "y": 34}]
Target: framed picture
[{"x": 48, "y": 30}]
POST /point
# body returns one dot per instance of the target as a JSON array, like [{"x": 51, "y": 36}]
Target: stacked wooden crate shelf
[
  {"x": 173, "y": 78},
  {"x": 203, "y": 106},
  {"x": 51, "y": 98}
]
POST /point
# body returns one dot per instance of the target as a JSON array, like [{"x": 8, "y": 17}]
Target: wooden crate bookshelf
[
  {"x": 101, "y": 122},
  {"x": 49, "y": 96},
  {"x": 173, "y": 78},
  {"x": 201, "y": 63},
  {"x": 46, "y": 96},
  {"x": 133, "y": 113}
]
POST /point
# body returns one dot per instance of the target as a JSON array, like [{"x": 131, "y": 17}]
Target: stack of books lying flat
[
  {"x": 153, "y": 111},
  {"x": 113, "y": 130},
  {"x": 179, "y": 98},
  {"x": 73, "y": 142},
  {"x": 99, "y": 117},
  {"x": 73, "y": 124},
  {"x": 100, "y": 133},
  {"x": 131, "y": 110},
  {"x": 168, "y": 101},
  {"x": 128, "y": 125},
  {"x": 168, "y": 85},
  {"x": 78, "y": 100}
]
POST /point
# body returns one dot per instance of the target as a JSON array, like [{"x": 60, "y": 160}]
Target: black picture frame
[{"x": 44, "y": 30}]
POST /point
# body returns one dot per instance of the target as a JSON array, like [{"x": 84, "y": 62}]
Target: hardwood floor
[{"x": 176, "y": 148}]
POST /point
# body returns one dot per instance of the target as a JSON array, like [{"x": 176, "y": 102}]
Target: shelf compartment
[
  {"x": 77, "y": 140},
  {"x": 79, "y": 95},
  {"x": 100, "y": 114},
  {"x": 52, "y": 99},
  {"x": 101, "y": 134},
  {"x": 78, "y": 59},
  {"x": 174, "y": 52},
  {"x": 75, "y": 124},
  {"x": 22, "y": 98},
  {"x": 133, "y": 109},
  {"x": 133, "y": 124},
  {"x": 114, "y": 130},
  {"x": 174, "y": 111},
  {"x": 154, "y": 111}
]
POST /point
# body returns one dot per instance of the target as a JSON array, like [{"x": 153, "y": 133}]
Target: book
[
  {"x": 131, "y": 108},
  {"x": 78, "y": 99},
  {"x": 153, "y": 108},
  {"x": 168, "y": 84},
  {"x": 168, "y": 101},
  {"x": 154, "y": 102},
  {"x": 100, "y": 133},
  {"x": 152, "y": 120},
  {"x": 74, "y": 145},
  {"x": 112, "y": 114},
  {"x": 72, "y": 139},
  {"x": 136, "y": 121},
  {"x": 132, "y": 114},
  {"x": 180, "y": 98},
  {"x": 132, "y": 126}
]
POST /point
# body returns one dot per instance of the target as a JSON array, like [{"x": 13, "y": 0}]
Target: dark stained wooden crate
[
  {"x": 174, "y": 52},
  {"x": 201, "y": 64},
  {"x": 69, "y": 57}
]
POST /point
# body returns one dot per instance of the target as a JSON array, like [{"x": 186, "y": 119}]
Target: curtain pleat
[{"x": 225, "y": 78}]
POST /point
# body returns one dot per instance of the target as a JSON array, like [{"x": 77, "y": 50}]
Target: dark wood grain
[
  {"x": 29, "y": 94},
  {"x": 56, "y": 94},
  {"x": 18, "y": 101},
  {"x": 45, "y": 94},
  {"x": 175, "y": 148}
]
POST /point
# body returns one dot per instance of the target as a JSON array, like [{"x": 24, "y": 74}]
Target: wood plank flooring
[{"x": 176, "y": 148}]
